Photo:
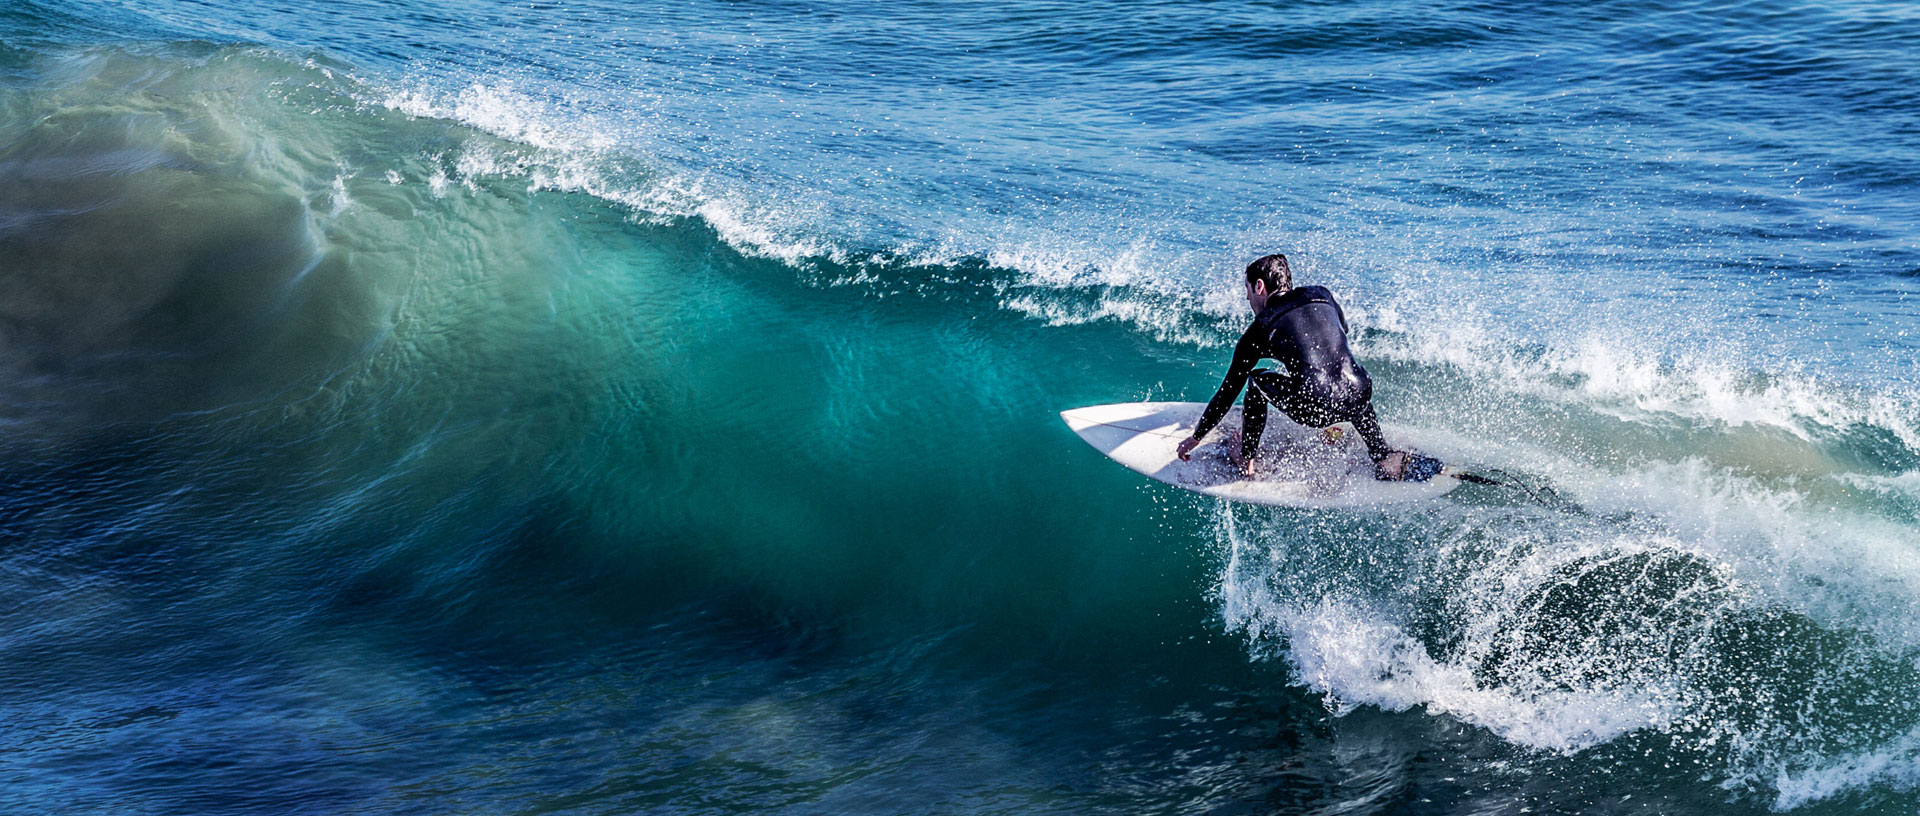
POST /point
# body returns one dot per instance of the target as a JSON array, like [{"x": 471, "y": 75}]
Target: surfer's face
[{"x": 1257, "y": 295}]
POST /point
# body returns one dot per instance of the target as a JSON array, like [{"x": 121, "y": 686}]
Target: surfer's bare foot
[
  {"x": 1242, "y": 463},
  {"x": 1392, "y": 467}
]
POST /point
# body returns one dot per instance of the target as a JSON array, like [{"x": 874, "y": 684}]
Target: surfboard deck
[{"x": 1296, "y": 466}]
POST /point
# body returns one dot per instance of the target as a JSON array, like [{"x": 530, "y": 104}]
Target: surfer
[{"x": 1320, "y": 384}]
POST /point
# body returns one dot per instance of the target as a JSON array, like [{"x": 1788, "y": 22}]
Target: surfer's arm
[{"x": 1246, "y": 355}]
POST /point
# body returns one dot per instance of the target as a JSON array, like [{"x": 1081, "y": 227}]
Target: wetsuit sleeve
[{"x": 1246, "y": 354}]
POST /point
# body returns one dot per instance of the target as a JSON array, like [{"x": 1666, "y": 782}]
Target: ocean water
[{"x": 471, "y": 406}]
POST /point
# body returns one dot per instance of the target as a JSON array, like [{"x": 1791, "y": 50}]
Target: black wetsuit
[{"x": 1305, "y": 330}]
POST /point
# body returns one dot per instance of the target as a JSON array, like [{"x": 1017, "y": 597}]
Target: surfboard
[{"x": 1296, "y": 466}]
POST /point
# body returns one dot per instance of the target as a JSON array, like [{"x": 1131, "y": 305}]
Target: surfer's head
[{"x": 1267, "y": 277}]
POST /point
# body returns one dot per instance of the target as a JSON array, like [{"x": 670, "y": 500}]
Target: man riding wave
[{"x": 1319, "y": 384}]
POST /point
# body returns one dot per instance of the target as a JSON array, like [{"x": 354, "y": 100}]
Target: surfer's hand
[{"x": 1186, "y": 448}]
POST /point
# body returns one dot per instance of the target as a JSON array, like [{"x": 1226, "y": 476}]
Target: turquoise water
[{"x": 472, "y": 407}]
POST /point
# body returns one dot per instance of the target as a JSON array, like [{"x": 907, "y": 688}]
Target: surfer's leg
[
  {"x": 1388, "y": 464},
  {"x": 1306, "y": 411},
  {"x": 1314, "y": 413},
  {"x": 1368, "y": 425},
  {"x": 1253, "y": 411}
]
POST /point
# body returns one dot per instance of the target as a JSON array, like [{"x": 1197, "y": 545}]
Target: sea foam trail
[
  {"x": 553, "y": 147},
  {"x": 1896, "y": 766},
  {"x": 1355, "y": 658},
  {"x": 1358, "y": 644},
  {"x": 1635, "y": 380}
]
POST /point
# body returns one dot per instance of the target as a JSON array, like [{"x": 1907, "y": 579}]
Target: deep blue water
[{"x": 486, "y": 407}]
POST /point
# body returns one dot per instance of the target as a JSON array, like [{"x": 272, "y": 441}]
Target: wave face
[{"x": 586, "y": 407}]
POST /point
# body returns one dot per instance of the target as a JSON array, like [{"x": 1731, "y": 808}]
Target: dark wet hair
[{"x": 1274, "y": 270}]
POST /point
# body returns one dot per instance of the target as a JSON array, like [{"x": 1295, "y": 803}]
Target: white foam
[
  {"x": 758, "y": 231},
  {"x": 438, "y": 182},
  {"x": 338, "y": 199},
  {"x": 1896, "y": 766},
  {"x": 1751, "y": 543},
  {"x": 1637, "y": 381},
  {"x": 1846, "y": 568},
  {"x": 1164, "y": 324},
  {"x": 503, "y": 110},
  {"x": 1087, "y": 262},
  {"x": 556, "y": 147},
  {"x": 1357, "y": 652},
  {"x": 1356, "y": 658},
  {"x": 1905, "y": 484}
]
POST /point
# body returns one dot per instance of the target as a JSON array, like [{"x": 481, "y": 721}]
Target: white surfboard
[{"x": 1296, "y": 467}]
